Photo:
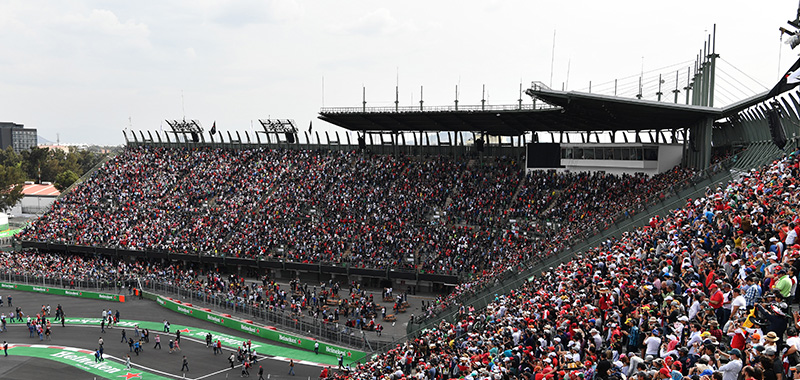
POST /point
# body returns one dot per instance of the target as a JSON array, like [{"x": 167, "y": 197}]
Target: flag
[
  {"x": 309, "y": 126},
  {"x": 789, "y": 81},
  {"x": 214, "y": 128}
]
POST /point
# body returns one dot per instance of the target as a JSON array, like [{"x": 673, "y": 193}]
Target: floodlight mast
[
  {"x": 278, "y": 125},
  {"x": 794, "y": 40},
  {"x": 185, "y": 126},
  {"x": 796, "y": 22}
]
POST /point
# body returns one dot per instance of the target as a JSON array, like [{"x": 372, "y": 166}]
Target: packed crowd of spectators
[
  {"x": 372, "y": 211},
  {"x": 353, "y": 308},
  {"x": 708, "y": 291},
  {"x": 578, "y": 202}
]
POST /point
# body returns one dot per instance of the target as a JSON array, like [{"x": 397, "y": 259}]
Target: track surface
[{"x": 203, "y": 364}]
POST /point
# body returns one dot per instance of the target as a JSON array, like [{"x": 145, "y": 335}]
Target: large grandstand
[{"x": 533, "y": 273}]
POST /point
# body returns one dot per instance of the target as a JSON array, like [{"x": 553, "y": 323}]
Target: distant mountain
[{"x": 43, "y": 141}]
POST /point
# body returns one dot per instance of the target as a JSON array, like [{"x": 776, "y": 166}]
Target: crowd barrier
[
  {"x": 265, "y": 332},
  {"x": 63, "y": 292}
]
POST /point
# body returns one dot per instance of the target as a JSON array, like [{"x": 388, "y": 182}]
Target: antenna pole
[
  {"x": 712, "y": 67},
  {"x": 456, "y": 102},
  {"x": 676, "y": 91},
  {"x": 552, "y": 58},
  {"x": 659, "y": 93},
  {"x": 483, "y": 98}
]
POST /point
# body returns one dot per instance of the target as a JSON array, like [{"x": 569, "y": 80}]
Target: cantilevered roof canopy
[
  {"x": 494, "y": 122},
  {"x": 570, "y": 111}
]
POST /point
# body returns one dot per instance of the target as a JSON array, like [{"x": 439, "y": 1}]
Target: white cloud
[
  {"x": 190, "y": 53},
  {"x": 253, "y": 12},
  {"x": 378, "y": 22},
  {"x": 82, "y": 67},
  {"x": 104, "y": 24}
]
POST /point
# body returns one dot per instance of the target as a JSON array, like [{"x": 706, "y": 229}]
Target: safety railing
[
  {"x": 329, "y": 331},
  {"x": 453, "y": 108},
  {"x": 299, "y": 322}
]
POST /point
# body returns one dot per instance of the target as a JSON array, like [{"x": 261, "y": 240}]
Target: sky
[{"x": 82, "y": 70}]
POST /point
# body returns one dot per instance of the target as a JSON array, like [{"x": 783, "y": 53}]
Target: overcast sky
[{"x": 82, "y": 68}]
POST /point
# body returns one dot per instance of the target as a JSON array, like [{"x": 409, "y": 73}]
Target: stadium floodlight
[
  {"x": 278, "y": 125},
  {"x": 185, "y": 126},
  {"x": 794, "y": 39}
]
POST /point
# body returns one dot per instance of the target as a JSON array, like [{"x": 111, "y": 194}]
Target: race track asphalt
[{"x": 203, "y": 364}]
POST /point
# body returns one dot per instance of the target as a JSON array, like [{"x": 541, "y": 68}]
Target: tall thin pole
[
  {"x": 639, "y": 95},
  {"x": 552, "y": 58},
  {"x": 659, "y": 93},
  {"x": 676, "y": 91},
  {"x": 688, "y": 86},
  {"x": 420, "y": 98},
  {"x": 363, "y": 99},
  {"x": 712, "y": 72},
  {"x": 483, "y": 98}
]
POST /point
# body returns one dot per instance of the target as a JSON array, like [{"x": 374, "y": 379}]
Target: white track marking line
[
  {"x": 145, "y": 368},
  {"x": 231, "y": 349}
]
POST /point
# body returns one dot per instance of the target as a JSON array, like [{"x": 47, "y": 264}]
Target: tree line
[{"x": 42, "y": 165}]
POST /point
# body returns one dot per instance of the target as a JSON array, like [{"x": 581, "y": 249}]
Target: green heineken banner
[
  {"x": 261, "y": 331},
  {"x": 82, "y": 359},
  {"x": 63, "y": 292}
]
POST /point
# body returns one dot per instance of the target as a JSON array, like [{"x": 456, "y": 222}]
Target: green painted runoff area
[
  {"x": 83, "y": 359},
  {"x": 226, "y": 339}
]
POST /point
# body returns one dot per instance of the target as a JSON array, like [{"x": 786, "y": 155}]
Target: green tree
[
  {"x": 65, "y": 179},
  {"x": 9, "y": 157},
  {"x": 12, "y": 180},
  {"x": 34, "y": 163}
]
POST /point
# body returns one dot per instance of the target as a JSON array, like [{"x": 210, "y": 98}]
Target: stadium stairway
[
  {"x": 86, "y": 175},
  {"x": 757, "y": 154}
]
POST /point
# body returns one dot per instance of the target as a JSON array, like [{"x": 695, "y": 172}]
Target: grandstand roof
[
  {"x": 570, "y": 111},
  {"x": 604, "y": 112},
  {"x": 506, "y": 122}
]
